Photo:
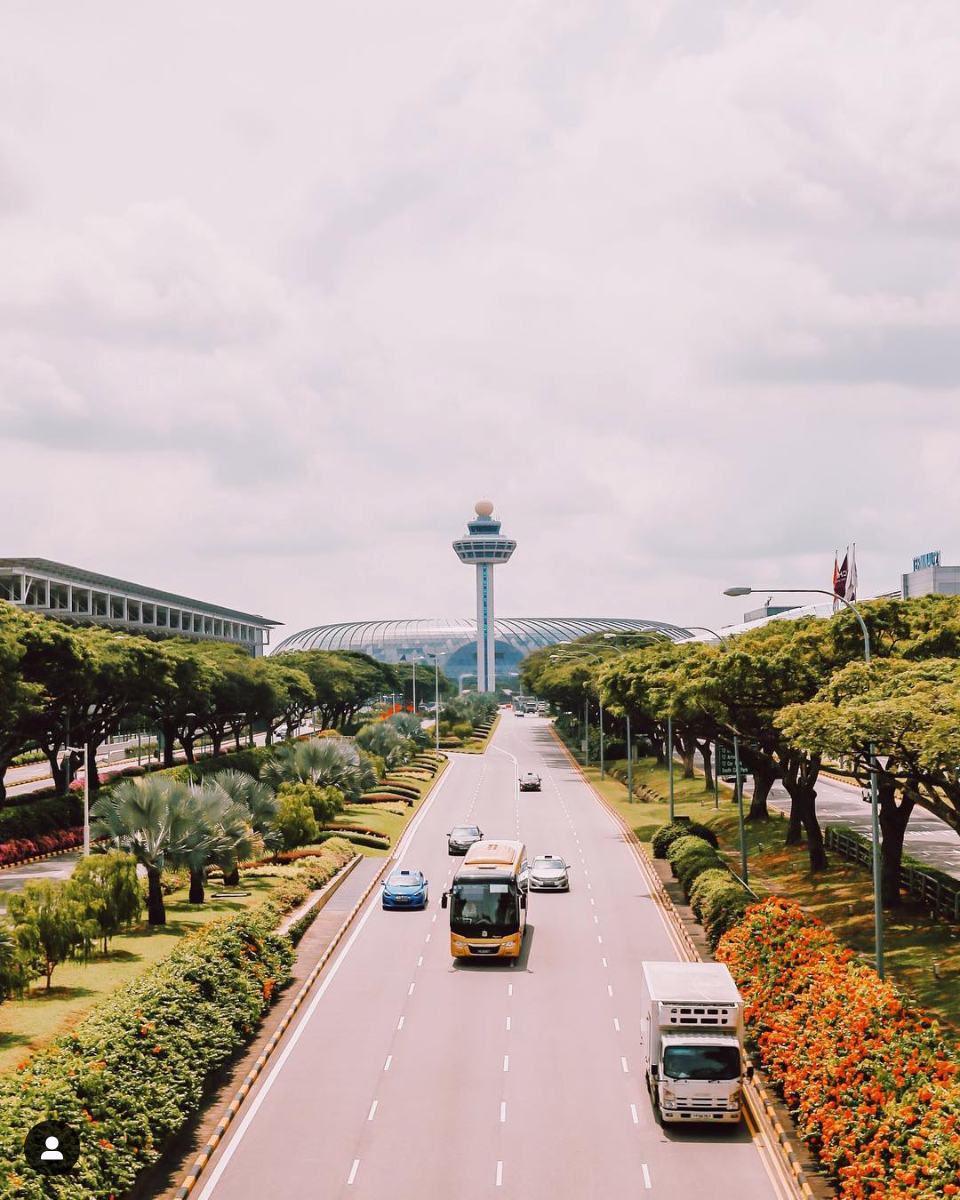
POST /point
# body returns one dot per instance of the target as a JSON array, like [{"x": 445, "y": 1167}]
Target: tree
[
  {"x": 282, "y": 695},
  {"x": 384, "y": 739},
  {"x": 14, "y": 973},
  {"x": 20, "y": 697},
  {"x": 260, "y": 804},
  {"x": 151, "y": 819},
  {"x": 107, "y": 888},
  {"x": 296, "y": 822},
  {"x": 427, "y": 680},
  {"x": 910, "y": 713},
  {"x": 323, "y": 761},
  {"x": 324, "y": 802},
  {"x": 182, "y": 696},
  {"x": 49, "y": 924}
]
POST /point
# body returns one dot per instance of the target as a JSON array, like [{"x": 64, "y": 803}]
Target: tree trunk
[
  {"x": 707, "y": 755},
  {"x": 763, "y": 780},
  {"x": 893, "y": 826},
  {"x": 49, "y": 971},
  {"x": 196, "y": 895},
  {"x": 58, "y": 772},
  {"x": 156, "y": 913},
  {"x": 92, "y": 766},
  {"x": 217, "y": 739},
  {"x": 803, "y": 813},
  {"x": 169, "y": 737},
  {"x": 187, "y": 743},
  {"x": 231, "y": 878}
]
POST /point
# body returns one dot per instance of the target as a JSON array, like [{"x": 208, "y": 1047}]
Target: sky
[{"x": 286, "y": 287}]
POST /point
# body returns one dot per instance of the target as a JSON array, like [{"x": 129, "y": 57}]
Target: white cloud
[{"x": 289, "y": 287}]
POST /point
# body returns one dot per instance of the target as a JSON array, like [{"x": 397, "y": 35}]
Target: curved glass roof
[{"x": 453, "y": 640}]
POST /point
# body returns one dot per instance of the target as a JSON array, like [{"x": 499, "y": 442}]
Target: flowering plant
[{"x": 872, "y": 1081}]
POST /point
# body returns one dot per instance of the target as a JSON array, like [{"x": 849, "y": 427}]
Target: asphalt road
[{"x": 411, "y": 1077}]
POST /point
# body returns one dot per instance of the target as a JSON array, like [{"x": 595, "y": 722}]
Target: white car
[{"x": 549, "y": 873}]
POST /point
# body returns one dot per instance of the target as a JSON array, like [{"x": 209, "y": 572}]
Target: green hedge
[
  {"x": 664, "y": 838},
  {"x": 249, "y": 760},
  {"x": 39, "y": 817},
  {"x": 375, "y": 841},
  {"x": 718, "y": 902},
  {"x": 130, "y": 1075},
  {"x": 689, "y": 857}
]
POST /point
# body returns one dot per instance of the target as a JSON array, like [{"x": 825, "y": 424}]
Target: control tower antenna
[{"x": 484, "y": 548}]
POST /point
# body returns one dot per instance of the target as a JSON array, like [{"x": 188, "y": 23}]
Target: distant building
[
  {"x": 767, "y": 610},
  {"x": 929, "y": 578},
  {"x": 484, "y": 548},
  {"x": 85, "y": 598}
]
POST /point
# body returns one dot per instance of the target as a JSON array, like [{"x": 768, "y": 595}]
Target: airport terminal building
[{"x": 454, "y": 640}]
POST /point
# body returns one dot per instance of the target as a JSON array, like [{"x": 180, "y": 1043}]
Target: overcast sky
[{"x": 286, "y": 287}]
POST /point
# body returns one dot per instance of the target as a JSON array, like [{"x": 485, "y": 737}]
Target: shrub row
[
  {"x": 40, "y": 816},
  {"x": 401, "y": 789},
  {"x": 375, "y": 841},
  {"x": 872, "y": 1081},
  {"x": 248, "y": 760},
  {"x": 128, "y": 1076},
  {"x": 718, "y": 902},
  {"x": 44, "y": 843},
  {"x": 664, "y": 838},
  {"x": 690, "y": 856},
  {"x": 379, "y": 797}
]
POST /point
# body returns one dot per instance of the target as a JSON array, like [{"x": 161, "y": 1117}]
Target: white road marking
[
  {"x": 599, "y": 939},
  {"x": 604, "y": 961},
  {"x": 386, "y": 1065},
  {"x": 373, "y": 1109},
  {"x": 634, "y": 1114},
  {"x": 503, "y": 1111},
  {"x": 506, "y": 1062},
  {"x": 592, "y": 901},
  {"x": 419, "y": 962},
  {"x": 616, "y": 1024},
  {"x": 434, "y": 918},
  {"x": 623, "y": 1063},
  {"x": 412, "y": 986},
  {"x": 400, "y": 1023},
  {"x": 353, "y": 1170},
  {"x": 508, "y": 1023},
  {"x": 373, "y": 906},
  {"x": 429, "y": 936},
  {"x": 589, "y": 887},
  {"x": 499, "y": 1173},
  {"x": 596, "y": 919},
  {"x": 646, "y": 1175},
  {"x": 509, "y": 989},
  {"x": 586, "y": 872},
  {"x": 609, "y": 990}
]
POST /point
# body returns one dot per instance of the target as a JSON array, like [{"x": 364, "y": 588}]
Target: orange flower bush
[{"x": 872, "y": 1082}]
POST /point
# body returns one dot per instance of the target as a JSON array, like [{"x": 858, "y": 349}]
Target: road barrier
[{"x": 936, "y": 891}]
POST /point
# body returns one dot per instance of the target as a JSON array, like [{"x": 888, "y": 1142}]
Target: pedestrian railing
[{"x": 937, "y": 891}]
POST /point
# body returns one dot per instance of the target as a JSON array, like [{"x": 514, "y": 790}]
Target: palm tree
[
  {"x": 151, "y": 819},
  {"x": 221, "y": 834},
  {"x": 322, "y": 761},
  {"x": 259, "y": 801}
]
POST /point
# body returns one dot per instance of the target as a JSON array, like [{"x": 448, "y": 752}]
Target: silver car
[{"x": 549, "y": 873}]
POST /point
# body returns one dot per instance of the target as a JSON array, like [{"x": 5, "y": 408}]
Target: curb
[
  {"x": 759, "y": 1105},
  {"x": 319, "y": 901},
  {"x": 24, "y": 862},
  {"x": 190, "y": 1179}
]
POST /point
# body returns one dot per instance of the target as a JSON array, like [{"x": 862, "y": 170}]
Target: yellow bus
[{"x": 488, "y": 901}]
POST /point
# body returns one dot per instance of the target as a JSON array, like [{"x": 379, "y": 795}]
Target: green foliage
[
  {"x": 690, "y": 856},
  {"x": 321, "y": 761},
  {"x": 14, "y": 969},
  {"x": 296, "y": 823},
  {"x": 130, "y": 1075},
  {"x": 32, "y": 818},
  {"x": 108, "y": 891},
  {"x": 324, "y": 802},
  {"x": 664, "y": 838},
  {"x": 718, "y": 902},
  {"x": 376, "y": 841},
  {"x": 461, "y": 729},
  {"x": 50, "y": 924}
]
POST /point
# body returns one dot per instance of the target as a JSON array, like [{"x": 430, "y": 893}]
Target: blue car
[{"x": 405, "y": 889}]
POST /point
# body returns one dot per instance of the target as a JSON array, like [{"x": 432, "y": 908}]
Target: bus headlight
[
  {"x": 510, "y": 944},
  {"x": 460, "y": 943}
]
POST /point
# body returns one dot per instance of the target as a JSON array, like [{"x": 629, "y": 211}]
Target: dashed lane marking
[
  {"x": 353, "y": 1170},
  {"x": 503, "y": 1112},
  {"x": 623, "y": 1063},
  {"x": 386, "y": 1065},
  {"x": 400, "y": 1023},
  {"x": 634, "y": 1114},
  {"x": 499, "y": 1173},
  {"x": 373, "y": 1109},
  {"x": 616, "y": 1024},
  {"x": 646, "y": 1175},
  {"x": 506, "y": 1062}
]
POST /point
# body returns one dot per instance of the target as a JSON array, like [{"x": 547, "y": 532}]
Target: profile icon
[{"x": 51, "y": 1148}]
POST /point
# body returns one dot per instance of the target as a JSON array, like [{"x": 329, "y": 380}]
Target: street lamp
[
  {"x": 436, "y": 714},
  {"x": 598, "y": 658},
  {"x": 874, "y": 802},
  {"x": 736, "y": 766}
]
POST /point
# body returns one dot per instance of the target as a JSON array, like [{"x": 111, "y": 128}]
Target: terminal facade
[{"x": 84, "y": 597}]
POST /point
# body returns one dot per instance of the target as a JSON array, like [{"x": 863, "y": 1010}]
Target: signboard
[
  {"x": 726, "y": 761},
  {"x": 922, "y": 561}
]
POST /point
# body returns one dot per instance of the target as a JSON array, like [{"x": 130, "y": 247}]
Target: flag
[
  {"x": 851, "y": 590},
  {"x": 833, "y": 585},
  {"x": 840, "y": 584}
]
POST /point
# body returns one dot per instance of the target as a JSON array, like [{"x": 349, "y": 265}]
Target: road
[
  {"x": 57, "y": 868},
  {"x": 410, "y": 1077}
]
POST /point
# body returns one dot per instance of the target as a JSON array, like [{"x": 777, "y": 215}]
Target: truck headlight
[{"x": 669, "y": 1097}]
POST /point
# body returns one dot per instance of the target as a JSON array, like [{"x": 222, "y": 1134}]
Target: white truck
[{"x": 693, "y": 1041}]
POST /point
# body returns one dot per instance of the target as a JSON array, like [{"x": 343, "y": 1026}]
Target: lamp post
[
  {"x": 86, "y": 794},
  {"x": 598, "y": 658},
  {"x": 874, "y": 802},
  {"x": 736, "y": 766},
  {"x": 436, "y": 713}
]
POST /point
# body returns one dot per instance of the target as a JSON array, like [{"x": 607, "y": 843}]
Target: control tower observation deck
[{"x": 485, "y": 549}]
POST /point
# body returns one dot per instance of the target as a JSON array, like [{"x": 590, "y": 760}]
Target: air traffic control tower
[{"x": 485, "y": 549}]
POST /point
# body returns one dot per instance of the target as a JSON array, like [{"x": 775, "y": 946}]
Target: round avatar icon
[{"x": 51, "y": 1148}]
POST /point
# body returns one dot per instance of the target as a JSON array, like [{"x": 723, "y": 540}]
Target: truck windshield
[
  {"x": 487, "y": 905},
  {"x": 701, "y": 1062}
]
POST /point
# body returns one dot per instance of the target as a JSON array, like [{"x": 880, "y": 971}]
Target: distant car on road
[
  {"x": 405, "y": 889},
  {"x": 462, "y": 837},
  {"x": 530, "y": 782},
  {"x": 549, "y": 874},
  {"x": 519, "y": 713}
]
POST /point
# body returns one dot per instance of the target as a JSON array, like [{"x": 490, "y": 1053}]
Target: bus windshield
[{"x": 487, "y": 905}]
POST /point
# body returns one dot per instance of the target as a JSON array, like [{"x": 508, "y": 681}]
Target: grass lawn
[
  {"x": 77, "y": 988},
  {"x": 388, "y": 818},
  {"x": 841, "y": 897}
]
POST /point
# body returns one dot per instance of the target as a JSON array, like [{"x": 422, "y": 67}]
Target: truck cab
[{"x": 693, "y": 1041}]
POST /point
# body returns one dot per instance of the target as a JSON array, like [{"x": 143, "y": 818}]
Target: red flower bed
[
  {"x": 872, "y": 1081},
  {"x": 44, "y": 843}
]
